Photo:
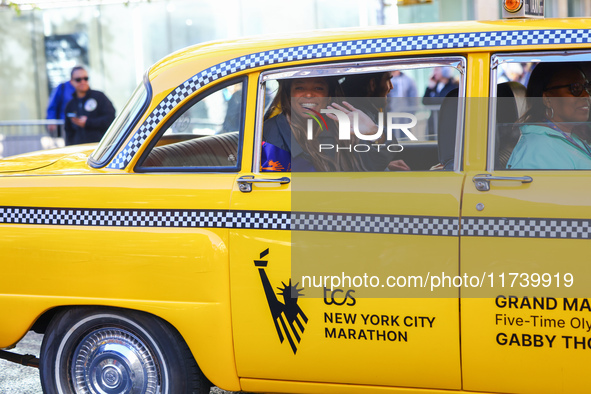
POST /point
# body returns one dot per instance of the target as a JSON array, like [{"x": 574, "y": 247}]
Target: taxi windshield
[{"x": 121, "y": 126}]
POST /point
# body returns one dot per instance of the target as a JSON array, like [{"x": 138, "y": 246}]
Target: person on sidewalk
[
  {"x": 89, "y": 114},
  {"x": 56, "y": 108}
]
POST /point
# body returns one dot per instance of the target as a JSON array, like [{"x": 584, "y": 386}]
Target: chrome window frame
[
  {"x": 519, "y": 57},
  {"x": 359, "y": 67}
]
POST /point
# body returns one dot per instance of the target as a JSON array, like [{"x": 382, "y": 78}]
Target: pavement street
[{"x": 18, "y": 379}]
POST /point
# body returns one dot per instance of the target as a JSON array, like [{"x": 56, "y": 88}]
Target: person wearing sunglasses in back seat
[
  {"x": 558, "y": 109},
  {"x": 89, "y": 114}
]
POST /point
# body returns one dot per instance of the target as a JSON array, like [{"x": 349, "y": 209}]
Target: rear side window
[
  {"x": 541, "y": 112},
  {"x": 204, "y": 135}
]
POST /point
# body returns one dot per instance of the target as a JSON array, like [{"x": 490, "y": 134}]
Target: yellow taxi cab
[{"x": 169, "y": 258}]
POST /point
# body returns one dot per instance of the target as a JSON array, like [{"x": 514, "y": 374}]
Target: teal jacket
[{"x": 543, "y": 148}]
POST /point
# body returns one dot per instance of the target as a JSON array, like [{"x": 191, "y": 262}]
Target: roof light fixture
[{"x": 512, "y": 5}]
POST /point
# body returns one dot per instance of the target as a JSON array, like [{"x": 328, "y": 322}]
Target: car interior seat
[
  {"x": 220, "y": 150},
  {"x": 511, "y": 105}
]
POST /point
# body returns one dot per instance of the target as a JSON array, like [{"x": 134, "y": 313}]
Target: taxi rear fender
[{"x": 198, "y": 337}]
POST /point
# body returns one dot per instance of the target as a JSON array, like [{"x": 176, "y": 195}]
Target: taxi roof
[{"x": 214, "y": 52}]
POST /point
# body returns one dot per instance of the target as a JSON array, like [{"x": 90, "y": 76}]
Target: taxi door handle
[
  {"x": 245, "y": 182},
  {"x": 482, "y": 181}
]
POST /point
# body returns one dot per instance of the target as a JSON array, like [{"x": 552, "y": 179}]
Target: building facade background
[{"x": 119, "y": 41}]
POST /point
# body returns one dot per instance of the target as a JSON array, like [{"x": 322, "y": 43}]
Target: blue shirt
[
  {"x": 542, "y": 148},
  {"x": 60, "y": 97}
]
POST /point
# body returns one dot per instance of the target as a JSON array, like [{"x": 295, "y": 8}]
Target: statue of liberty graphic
[{"x": 288, "y": 317}]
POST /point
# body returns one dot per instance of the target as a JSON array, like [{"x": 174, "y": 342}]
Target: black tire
[{"x": 107, "y": 350}]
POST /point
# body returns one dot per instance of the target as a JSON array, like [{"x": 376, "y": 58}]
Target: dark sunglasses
[
  {"x": 576, "y": 89},
  {"x": 81, "y": 79}
]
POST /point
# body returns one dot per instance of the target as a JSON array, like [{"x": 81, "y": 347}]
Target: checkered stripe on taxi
[
  {"x": 302, "y": 221},
  {"x": 370, "y": 223},
  {"x": 297, "y": 221},
  {"x": 527, "y": 228},
  {"x": 343, "y": 48},
  {"x": 145, "y": 218}
]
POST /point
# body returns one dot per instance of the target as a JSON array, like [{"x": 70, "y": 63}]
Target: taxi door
[
  {"x": 527, "y": 233},
  {"x": 290, "y": 328}
]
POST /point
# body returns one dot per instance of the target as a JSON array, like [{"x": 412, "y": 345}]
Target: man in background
[
  {"x": 56, "y": 109},
  {"x": 89, "y": 114},
  {"x": 439, "y": 85},
  {"x": 402, "y": 98},
  {"x": 404, "y": 89}
]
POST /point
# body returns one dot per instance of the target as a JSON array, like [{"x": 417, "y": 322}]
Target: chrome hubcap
[
  {"x": 112, "y": 376},
  {"x": 114, "y": 361}
]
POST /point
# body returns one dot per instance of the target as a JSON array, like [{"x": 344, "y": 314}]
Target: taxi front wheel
[{"x": 100, "y": 350}]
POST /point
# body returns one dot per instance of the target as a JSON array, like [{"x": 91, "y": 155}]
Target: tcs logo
[{"x": 339, "y": 297}]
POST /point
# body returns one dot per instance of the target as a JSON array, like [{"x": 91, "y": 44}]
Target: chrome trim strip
[
  {"x": 461, "y": 124},
  {"x": 492, "y": 119},
  {"x": 258, "y": 127},
  {"x": 370, "y": 66}
]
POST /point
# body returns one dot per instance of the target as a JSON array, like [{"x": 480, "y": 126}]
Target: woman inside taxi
[
  {"x": 369, "y": 93},
  {"x": 286, "y": 144},
  {"x": 558, "y": 108}
]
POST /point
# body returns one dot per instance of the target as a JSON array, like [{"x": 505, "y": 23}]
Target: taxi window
[
  {"x": 203, "y": 135},
  {"x": 400, "y": 117},
  {"x": 122, "y": 125},
  {"x": 541, "y": 113}
]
